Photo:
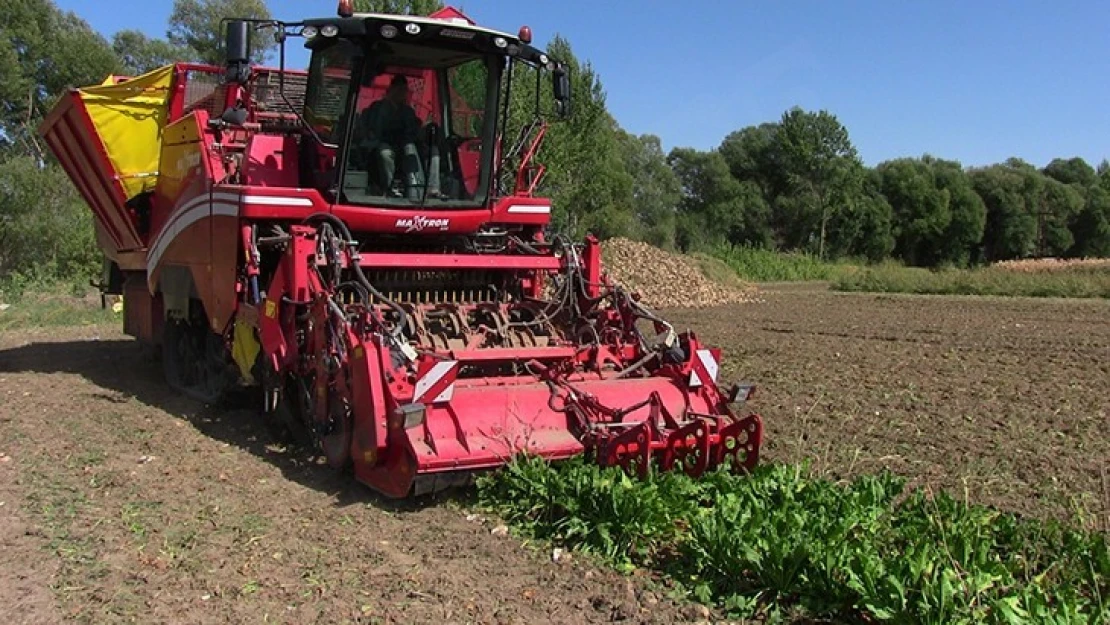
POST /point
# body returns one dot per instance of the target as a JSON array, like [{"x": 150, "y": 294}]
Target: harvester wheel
[{"x": 195, "y": 361}]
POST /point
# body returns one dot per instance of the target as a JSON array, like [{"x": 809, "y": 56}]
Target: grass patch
[
  {"x": 716, "y": 270},
  {"x": 53, "y": 306},
  {"x": 780, "y": 542},
  {"x": 761, "y": 265},
  {"x": 1077, "y": 281},
  {"x": 138, "y": 517}
]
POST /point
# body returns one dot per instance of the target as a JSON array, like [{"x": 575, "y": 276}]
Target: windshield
[
  {"x": 328, "y": 87},
  {"x": 417, "y": 128}
]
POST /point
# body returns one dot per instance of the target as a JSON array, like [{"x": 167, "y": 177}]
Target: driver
[{"x": 389, "y": 127}]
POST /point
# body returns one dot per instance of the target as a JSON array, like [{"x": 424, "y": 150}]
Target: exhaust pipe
[
  {"x": 237, "y": 51},
  {"x": 237, "y": 60}
]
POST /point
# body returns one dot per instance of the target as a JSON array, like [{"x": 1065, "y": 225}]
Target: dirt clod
[
  {"x": 664, "y": 279},
  {"x": 698, "y": 612}
]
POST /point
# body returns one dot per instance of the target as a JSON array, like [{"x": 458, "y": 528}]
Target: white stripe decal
[
  {"x": 711, "y": 368},
  {"x": 276, "y": 200},
  {"x": 189, "y": 213},
  {"x": 424, "y": 384},
  {"x": 446, "y": 395},
  {"x": 180, "y": 210},
  {"x": 224, "y": 195},
  {"x": 529, "y": 210},
  {"x": 194, "y": 213},
  {"x": 710, "y": 363}
]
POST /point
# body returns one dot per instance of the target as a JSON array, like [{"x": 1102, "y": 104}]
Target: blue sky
[{"x": 976, "y": 81}]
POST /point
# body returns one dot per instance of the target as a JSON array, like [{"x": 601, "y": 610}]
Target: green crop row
[{"x": 779, "y": 542}]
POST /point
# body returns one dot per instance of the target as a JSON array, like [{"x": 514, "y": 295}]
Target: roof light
[
  {"x": 329, "y": 30},
  {"x": 525, "y": 34},
  {"x": 308, "y": 32},
  {"x": 389, "y": 31},
  {"x": 346, "y": 8}
]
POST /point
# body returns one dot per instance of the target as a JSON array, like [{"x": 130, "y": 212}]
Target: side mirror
[
  {"x": 237, "y": 51},
  {"x": 561, "y": 87}
]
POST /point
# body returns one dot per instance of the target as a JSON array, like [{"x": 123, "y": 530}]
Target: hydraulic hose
[{"x": 402, "y": 316}]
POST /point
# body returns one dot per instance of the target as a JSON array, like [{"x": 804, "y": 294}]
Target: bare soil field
[
  {"x": 121, "y": 501},
  {"x": 1004, "y": 401}
]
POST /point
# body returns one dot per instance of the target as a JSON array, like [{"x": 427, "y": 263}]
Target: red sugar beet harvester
[{"x": 363, "y": 244}]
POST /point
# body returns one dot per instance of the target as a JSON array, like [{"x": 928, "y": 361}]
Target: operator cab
[{"x": 402, "y": 111}]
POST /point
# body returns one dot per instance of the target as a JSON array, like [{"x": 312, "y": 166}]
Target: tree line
[
  {"x": 794, "y": 184},
  {"x": 799, "y": 184}
]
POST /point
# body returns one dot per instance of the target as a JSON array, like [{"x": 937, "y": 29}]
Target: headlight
[
  {"x": 329, "y": 30},
  {"x": 500, "y": 42},
  {"x": 309, "y": 32},
  {"x": 389, "y": 31},
  {"x": 412, "y": 29}
]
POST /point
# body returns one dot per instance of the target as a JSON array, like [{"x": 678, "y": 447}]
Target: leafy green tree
[
  {"x": 1103, "y": 171},
  {"x": 45, "y": 227},
  {"x": 715, "y": 207},
  {"x": 875, "y": 237},
  {"x": 399, "y": 7},
  {"x": 1056, "y": 206},
  {"x": 751, "y": 155},
  {"x": 921, "y": 210},
  {"x": 938, "y": 218},
  {"x": 586, "y": 176},
  {"x": 195, "y": 26},
  {"x": 1071, "y": 171},
  {"x": 822, "y": 170},
  {"x": 43, "y": 52},
  {"x": 960, "y": 244},
  {"x": 1091, "y": 227},
  {"x": 655, "y": 188},
  {"x": 1050, "y": 205},
  {"x": 140, "y": 54},
  {"x": 1028, "y": 213},
  {"x": 808, "y": 172},
  {"x": 863, "y": 227},
  {"x": 1011, "y": 229}
]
